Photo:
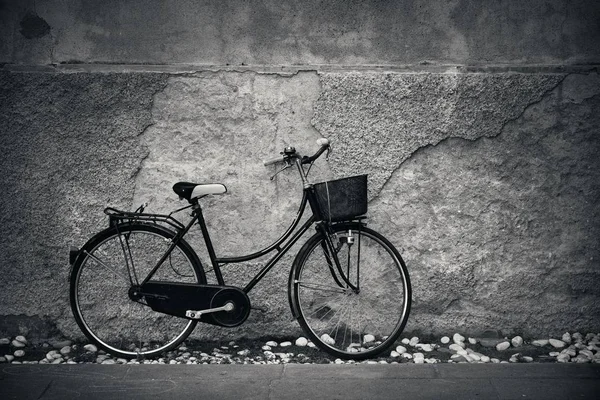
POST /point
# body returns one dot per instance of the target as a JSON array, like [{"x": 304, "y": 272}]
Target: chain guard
[{"x": 176, "y": 298}]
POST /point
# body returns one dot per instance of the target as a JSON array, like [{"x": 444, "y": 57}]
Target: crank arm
[{"x": 197, "y": 314}]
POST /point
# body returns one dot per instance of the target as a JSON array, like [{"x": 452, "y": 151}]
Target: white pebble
[
  {"x": 540, "y": 342},
  {"x": 517, "y": 341},
  {"x": 566, "y": 337},
  {"x": 414, "y": 341},
  {"x": 458, "y": 338},
  {"x": 272, "y": 343},
  {"x": 405, "y": 341},
  {"x": 445, "y": 340},
  {"x": 472, "y": 340},
  {"x": 285, "y": 344},
  {"x": 301, "y": 341},
  {"x": 456, "y": 346},
  {"x": 311, "y": 345},
  {"x": 325, "y": 338},
  {"x": 21, "y": 339},
  {"x": 408, "y": 356},
  {"x": 394, "y": 354},
  {"x": 419, "y": 355},
  {"x": 554, "y": 354},
  {"x": 485, "y": 359},
  {"x": 557, "y": 344},
  {"x": 368, "y": 338},
  {"x": 90, "y": 348},
  {"x": 4, "y": 341},
  {"x": 9, "y": 357},
  {"x": 502, "y": 346},
  {"x": 266, "y": 348},
  {"x": 563, "y": 358},
  {"x": 65, "y": 350},
  {"x": 401, "y": 349},
  {"x": 243, "y": 353},
  {"x": 17, "y": 343},
  {"x": 425, "y": 347},
  {"x": 19, "y": 353}
]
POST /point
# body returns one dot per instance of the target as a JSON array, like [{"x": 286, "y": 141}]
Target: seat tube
[{"x": 208, "y": 243}]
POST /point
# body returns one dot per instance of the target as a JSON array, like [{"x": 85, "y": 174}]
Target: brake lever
[{"x": 288, "y": 165}]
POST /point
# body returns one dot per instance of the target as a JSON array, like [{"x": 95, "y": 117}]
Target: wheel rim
[
  {"x": 102, "y": 295},
  {"x": 347, "y": 322}
]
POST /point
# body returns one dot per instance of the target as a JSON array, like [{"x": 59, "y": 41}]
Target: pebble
[
  {"x": 9, "y": 357},
  {"x": 394, "y": 354},
  {"x": 472, "y": 340},
  {"x": 456, "y": 346},
  {"x": 266, "y": 348},
  {"x": 502, "y": 346},
  {"x": 243, "y": 353},
  {"x": 327, "y": 339},
  {"x": 445, "y": 340},
  {"x": 485, "y": 359},
  {"x": 65, "y": 350},
  {"x": 566, "y": 337},
  {"x": 401, "y": 349},
  {"x": 272, "y": 343},
  {"x": 557, "y": 344},
  {"x": 540, "y": 342},
  {"x": 425, "y": 347},
  {"x": 21, "y": 339},
  {"x": 111, "y": 361},
  {"x": 19, "y": 353},
  {"x": 563, "y": 358},
  {"x": 4, "y": 341},
  {"x": 413, "y": 341},
  {"x": 90, "y": 348},
  {"x": 458, "y": 338},
  {"x": 368, "y": 338},
  {"x": 408, "y": 356},
  {"x": 2, "y": 359},
  {"x": 405, "y": 341},
  {"x": 17, "y": 343},
  {"x": 285, "y": 344},
  {"x": 517, "y": 341},
  {"x": 301, "y": 341},
  {"x": 311, "y": 345}
]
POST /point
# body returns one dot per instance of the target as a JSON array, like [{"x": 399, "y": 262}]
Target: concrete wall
[{"x": 476, "y": 122}]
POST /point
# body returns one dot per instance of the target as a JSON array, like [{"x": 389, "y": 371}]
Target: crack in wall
[{"x": 499, "y": 132}]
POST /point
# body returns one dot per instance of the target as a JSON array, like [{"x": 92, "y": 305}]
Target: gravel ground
[{"x": 490, "y": 348}]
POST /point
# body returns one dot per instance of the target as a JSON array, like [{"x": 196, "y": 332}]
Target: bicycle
[{"x": 138, "y": 289}]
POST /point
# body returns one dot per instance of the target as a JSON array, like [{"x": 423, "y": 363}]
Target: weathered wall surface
[
  {"x": 275, "y": 32},
  {"x": 484, "y": 173}
]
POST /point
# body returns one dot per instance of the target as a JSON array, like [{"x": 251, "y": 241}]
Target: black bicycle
[{"x": 138, "y": 289}]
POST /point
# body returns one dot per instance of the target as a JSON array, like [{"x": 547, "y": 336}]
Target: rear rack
[{"x": 122, "y": 217}]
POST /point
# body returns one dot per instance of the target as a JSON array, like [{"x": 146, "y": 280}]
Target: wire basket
[{"x": 342, "y": 199}]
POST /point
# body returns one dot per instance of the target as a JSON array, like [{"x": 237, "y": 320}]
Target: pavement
[{"x": 302, "y": 381}]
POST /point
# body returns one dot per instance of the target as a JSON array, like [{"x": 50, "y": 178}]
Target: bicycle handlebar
[{"x": 323, "y": 142}]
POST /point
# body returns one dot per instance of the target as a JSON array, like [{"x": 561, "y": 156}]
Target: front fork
[{"x": 340, "y": 269}]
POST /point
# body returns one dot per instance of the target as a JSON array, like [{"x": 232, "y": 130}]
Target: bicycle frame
[{"x": 281, "y": 245}]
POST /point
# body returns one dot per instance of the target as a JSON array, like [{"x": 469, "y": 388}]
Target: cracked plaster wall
[{"x": 499, "y": 230}]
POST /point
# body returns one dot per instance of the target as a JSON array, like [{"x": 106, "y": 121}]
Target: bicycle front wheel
[
  {"x": 102, "y": 299},
  {"x": 355, "y": 309}
]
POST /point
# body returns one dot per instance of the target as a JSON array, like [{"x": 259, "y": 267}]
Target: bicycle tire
[
  {"x": 344, "y": 322},
  {"x": 99, "y": 289}
]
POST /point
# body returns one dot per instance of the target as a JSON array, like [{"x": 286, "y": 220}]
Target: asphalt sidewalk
[{"x": 302, "y": 381}]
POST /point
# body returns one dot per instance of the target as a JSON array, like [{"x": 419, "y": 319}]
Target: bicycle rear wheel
[
  {"x": 102, "y": 299},
  {"x": 356, "y": 311}
]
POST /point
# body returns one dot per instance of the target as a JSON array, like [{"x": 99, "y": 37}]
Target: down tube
[{"x": 261, "y": 274}]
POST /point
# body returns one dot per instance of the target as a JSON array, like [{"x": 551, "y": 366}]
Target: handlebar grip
[
  {"x": 272, "y": 161},
  {"x": 323, "y": 142}
]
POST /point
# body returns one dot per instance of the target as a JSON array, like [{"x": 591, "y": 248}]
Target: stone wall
[{"x": 478, "y": 128}]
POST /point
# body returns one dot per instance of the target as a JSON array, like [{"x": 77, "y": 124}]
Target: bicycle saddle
[{"x": 189, "y": 191}]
